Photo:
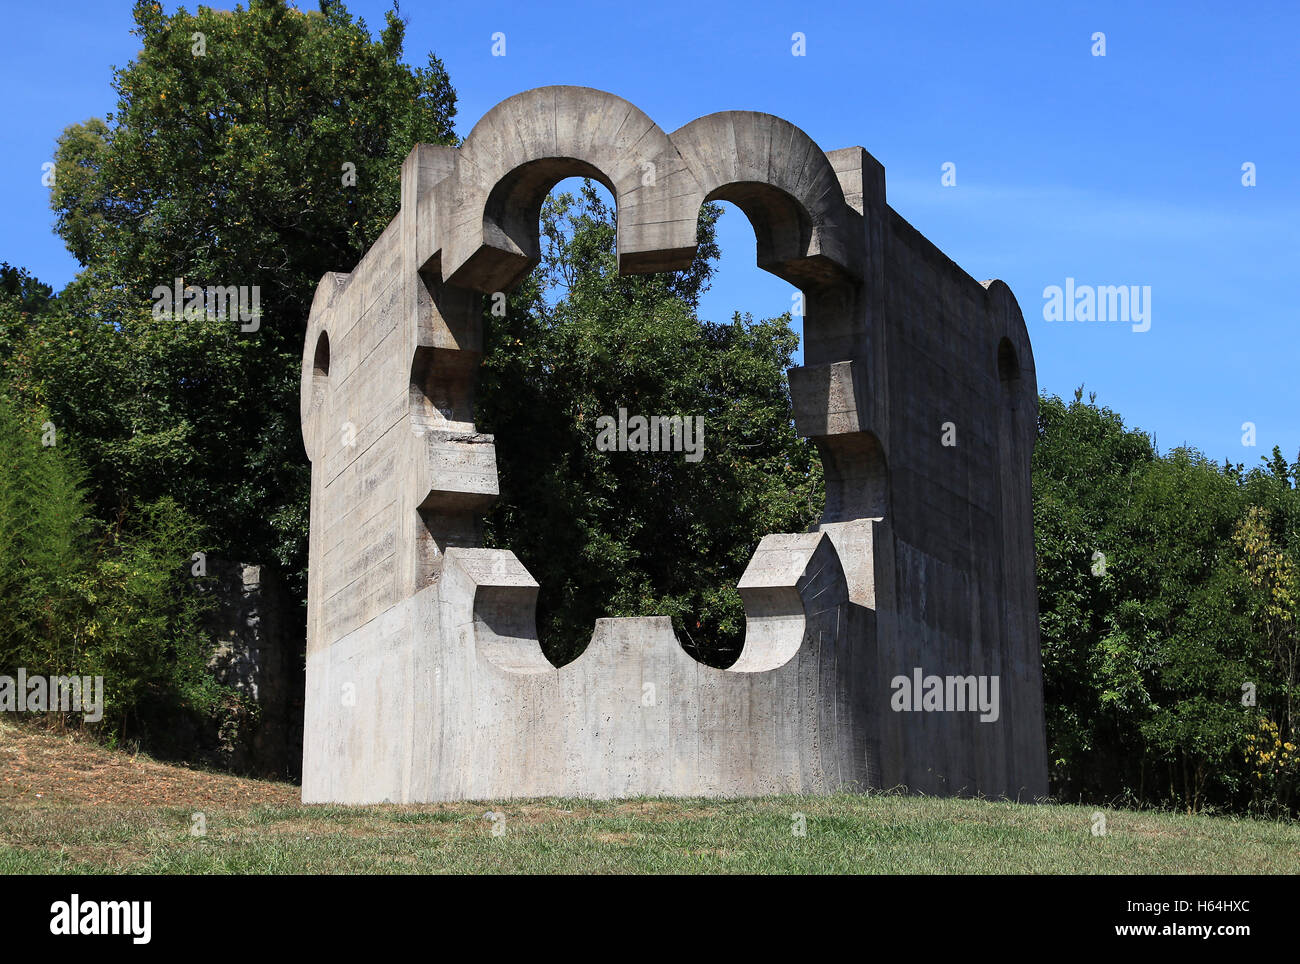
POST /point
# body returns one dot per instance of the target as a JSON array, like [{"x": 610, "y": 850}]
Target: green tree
[
  {"x": 1178, "y": 621},
  {"x": 25, "y": 293},
  {"x": 1274, "y": 612},
  {"x": 1144, "y": 603},
  {"x": 627, "y": 533},
  {"x": 87, "y": 599},
  {"x": 258, "y": 147},
  {"x": 1083, "y": 461},
  {"x": 43, "y": 531}
]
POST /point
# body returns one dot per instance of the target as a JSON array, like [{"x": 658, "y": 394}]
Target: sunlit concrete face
[{"x": 425, "y": 680}]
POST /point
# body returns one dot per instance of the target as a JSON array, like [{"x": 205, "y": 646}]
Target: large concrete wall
[{"x": 425, "y": 680}]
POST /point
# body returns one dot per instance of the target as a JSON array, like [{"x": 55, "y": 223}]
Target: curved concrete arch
[
  {"x": 526, "y": 144},
  {"x": 785, "y": 184},
  {"x": 1006, "y": 321}
]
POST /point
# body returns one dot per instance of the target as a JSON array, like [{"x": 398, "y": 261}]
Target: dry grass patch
[{"x": 38, "y": 767}]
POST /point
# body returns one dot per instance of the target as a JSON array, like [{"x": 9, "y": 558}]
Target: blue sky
[{"x": 1122, "y": 169}]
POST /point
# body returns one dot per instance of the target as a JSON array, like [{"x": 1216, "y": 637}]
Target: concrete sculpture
[{"x": 896, "y": 645}]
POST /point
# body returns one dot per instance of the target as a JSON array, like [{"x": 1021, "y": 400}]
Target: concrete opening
[
  {"x": 320, "y": 370},
  {"x": 1008, "y": 364},
  {"x": 514, "y": 207},
  {"x": 768, "y": 213},
  {"x": 321, "y": 359}
]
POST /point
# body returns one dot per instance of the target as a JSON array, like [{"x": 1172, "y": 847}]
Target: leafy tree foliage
[
  {"x": 259, "y": 147},
  {"x": 22, "y": 292},
  {"x": 255, "y": 147},
  {"x": 87, "y": 599},
  {"x": 1168, "y": 614}
]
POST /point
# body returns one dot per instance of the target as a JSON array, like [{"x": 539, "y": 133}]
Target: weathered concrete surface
[
  {"x": 254, "y": 652},
  {"x": 424, "y": 677},
  {"x": 459, "y": 701}
]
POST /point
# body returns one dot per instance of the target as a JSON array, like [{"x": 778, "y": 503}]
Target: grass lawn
[{"x": 68, "y": 806}]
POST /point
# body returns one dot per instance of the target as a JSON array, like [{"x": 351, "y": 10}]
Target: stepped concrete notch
[{"x": 872, "y": 644}]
